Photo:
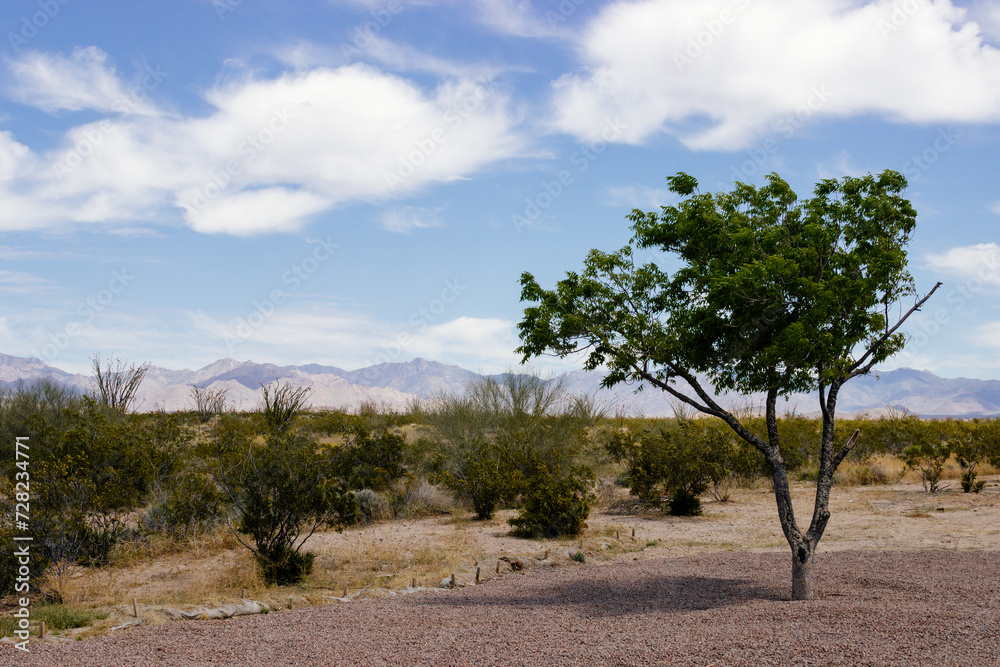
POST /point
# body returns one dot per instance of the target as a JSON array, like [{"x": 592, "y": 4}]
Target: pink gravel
[{"x": 875, "y": 608}]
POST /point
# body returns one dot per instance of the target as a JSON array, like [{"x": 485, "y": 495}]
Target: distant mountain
[{"x": 395, "y": 384}]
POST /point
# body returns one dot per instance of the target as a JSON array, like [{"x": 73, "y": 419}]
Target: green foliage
[
  {"x": 487, "y": 445},
  {"x": 681, "y": 459},
  {"x": 282, "y": 487},
  {"x": 929, "y": 458},
  {"x": 970, "y": 442},
  {"x": 579, "y": 557},
  {"x": 190, "y": 504},
  {"x": 684, "y": 502},
  {"x": 554, "y": 506},
  {"x": 370, "y": 460},
  {"x": 766, "y": 283}
]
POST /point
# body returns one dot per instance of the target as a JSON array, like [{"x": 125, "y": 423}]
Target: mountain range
[{"x": 394, "y": 385}]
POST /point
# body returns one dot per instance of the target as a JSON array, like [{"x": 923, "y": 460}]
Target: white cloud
[
  {"x": 996, "y": 207},
  {"x": 980, "y": 261},
  {"x": 404, "y": 219},
  {"x": 17, "y": 282},
  {"x": 520, "y": 19},
  {"x": 639, "y": 196},
  {"x": 271, "y": 153},
  {"x": 54, "y": 82},
  {"x": 718, "y": 73},
  {"x": 989, "y": 335}
]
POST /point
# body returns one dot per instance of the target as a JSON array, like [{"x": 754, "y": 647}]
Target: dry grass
[{"x": 210, "y": 569}]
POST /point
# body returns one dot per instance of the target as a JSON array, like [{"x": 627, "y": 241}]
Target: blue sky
[{"x": 354, "y": 182}]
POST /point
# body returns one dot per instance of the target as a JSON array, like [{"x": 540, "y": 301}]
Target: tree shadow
[{"x": 595, "y": 597}]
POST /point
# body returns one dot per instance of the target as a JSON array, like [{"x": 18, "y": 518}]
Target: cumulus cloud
[
  {"x": 718, "y": 73},
  {"x": 270, "y": 154},
  {"x": 980, "y": 261}
]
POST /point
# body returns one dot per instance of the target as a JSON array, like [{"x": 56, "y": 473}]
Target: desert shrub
[
  {"x": 370, "y": 460},
  {"x": 117, "y": 383},
  {"x": 553, "y": 506},
  {"x": 488, "y": 475},
  {"x": 418, "y": 497},
  {"x": 970, "y": 442},
  {"x": 684, "y": 502},
  {"x": 486, "y": 445},
  {"x": 194, "y": 503},
  {"x": 208, "y": 403},
  {"x": 280, "y": 404},
  {"x": 683, "y": 457},
  {"x": 929, "y": 458},
  {"x": 281, "y": 487},
  {"x": 372, "y": 507}
]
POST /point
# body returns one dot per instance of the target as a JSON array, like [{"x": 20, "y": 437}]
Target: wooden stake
[
  {"x": 498, "y": 566},
  {"x": 41, "y": 630},
  {"x": 243, "y": 594},
  {"x": 546, "y": 554},
  {"x": 477, "y": 575},
  {"x": 452, "y": 579},
  {"x": 289, "y": 603},
  {"x": 618, "y": 535},
  {"x": 633, "y": 532},
  {"x": 345, "y": 590},
  {"x": 413, "y": 582},
  {"x": 135, "y": 609}
]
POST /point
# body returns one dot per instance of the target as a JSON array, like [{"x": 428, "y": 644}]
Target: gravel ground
[{"x": 876, "y": 608}]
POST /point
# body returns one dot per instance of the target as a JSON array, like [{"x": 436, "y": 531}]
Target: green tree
[{"x": 773, "y": 295}]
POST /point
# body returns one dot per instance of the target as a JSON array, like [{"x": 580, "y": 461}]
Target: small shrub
[
  {"x": 372, "y": 507},
  {"x": 579, "y": 557},
  {"x": 417, "y": 498},
  {"x": 282, "y": 565},
  {"x": 553, "y": 507},
  {"x": 929, "y": 458},
  {"x": 684, "y": 502}
]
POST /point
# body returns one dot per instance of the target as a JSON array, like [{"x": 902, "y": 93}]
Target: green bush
[
  {"x": 484, "y": 446},
  {"x": 370, "y": 460},
  {"x": 553, "y": 506},
  {"x": 282, "y": 486},
  {"x": 684, "y": 457},
  {"x": 684, "y": 502},
  {"x": 929, "y": 458}
]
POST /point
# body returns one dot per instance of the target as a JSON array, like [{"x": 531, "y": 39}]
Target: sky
[{"x": 364, "y": 181}]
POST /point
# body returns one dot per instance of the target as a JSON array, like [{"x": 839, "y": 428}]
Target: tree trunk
[{"x": 802, "y": 574}]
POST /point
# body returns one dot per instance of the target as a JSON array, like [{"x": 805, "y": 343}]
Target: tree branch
[{"x": 857, "y": 369}]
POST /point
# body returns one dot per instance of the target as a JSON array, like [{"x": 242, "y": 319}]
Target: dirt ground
[{"x": 374, "y": 560}]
